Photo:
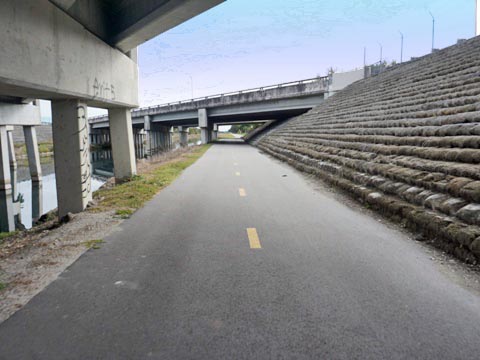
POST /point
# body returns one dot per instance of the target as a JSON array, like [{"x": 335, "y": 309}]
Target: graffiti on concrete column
[
  {"x": 84, "y": 150},
  {"x": 103, "y": 89}
]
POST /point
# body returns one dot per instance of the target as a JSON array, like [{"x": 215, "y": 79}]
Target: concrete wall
[
  {"x": 405, "y": 142},
  {"x": 342, "y": 80}
]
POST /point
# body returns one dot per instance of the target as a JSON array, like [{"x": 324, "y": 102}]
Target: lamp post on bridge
[
  {"x": 191, "y": 83},
  {"x": 401, "y": 46},
  {"x": 433, "y": 31}
]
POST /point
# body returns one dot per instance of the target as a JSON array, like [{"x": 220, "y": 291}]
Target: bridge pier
[
  {"x": 183, "y": 132},
  {"x": 13, "y": 169},
  {"x": 215, "y": 132},
  {"x": 123, "y": 149},
  {"x": 35, "y": 168},
  {"x": 203, "y": 125},
  {"x": 72, "y": 155},
  {"x": 148, "y": 135},
  {"x": 7, "y": 220}
]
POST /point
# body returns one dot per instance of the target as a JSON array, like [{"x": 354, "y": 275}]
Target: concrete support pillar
[
  {"x": 7, "y": 221},
  {"x": 72, "y": 155},
  {"x": 203, "y": 125},
  {"x": 17, "y": 205},
  {"x": 123, "y": 148},
  {"x": 171, "y": 130},
  {"x": 148, "y": 135},
  {"x": 35, "y": 170},
  {"x": 13, "y": 163},
  {"x": 215, "y": 132},
  {"x": 183, "y": 132}
]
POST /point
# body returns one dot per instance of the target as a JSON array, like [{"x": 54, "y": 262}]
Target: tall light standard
[
  {"x": 191, "y": 83},
  {"x": 401, "y": 46},
  {"x": 477, "y": 17},
  {"x": 433, "y": 30},
  {"x": 365, "y": 56},
  {"x": 381, "y": 52}
]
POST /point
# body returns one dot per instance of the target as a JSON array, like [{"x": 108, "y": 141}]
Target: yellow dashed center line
[
  {"x": 237, "y": 173},
  {"x": 242, "y": 192},
  {"x": 253, "y": 238}
]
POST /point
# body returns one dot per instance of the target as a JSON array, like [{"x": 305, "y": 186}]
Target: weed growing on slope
[{"x": 93, "y": 244}]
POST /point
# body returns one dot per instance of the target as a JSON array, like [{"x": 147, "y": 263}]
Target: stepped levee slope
[{"x": 405, "y": 142}]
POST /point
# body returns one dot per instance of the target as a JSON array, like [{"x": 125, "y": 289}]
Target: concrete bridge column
[
  {"x": 203, "y": 125},
  {"x": 17, "y": 206},
  {"x": 215, "y": 132},
  {"x": 148, "y": 139},
  {"x": 33, "y": 155},
  {"x": 183, "y": 132},
  {"x": 7, "y": 220},
  {"x": 163, "y": 136},
  {"x": 171, "y": 130},
  {"x": 123, "y": 148},
  {"x": 13, "y": 162},
  {"x": 72, "y": 155}
]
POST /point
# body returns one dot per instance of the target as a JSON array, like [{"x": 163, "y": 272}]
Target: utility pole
[
  {"x": 433, "y": 31},
  {"x": 477, "y": 17},
  {"x": 191, "y": 83},
  {"x": 401, "y": 46},
  {"x": 365, "y": 56},
  {"x": 381, "y": 52}
]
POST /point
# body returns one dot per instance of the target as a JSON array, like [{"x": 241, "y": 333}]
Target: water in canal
[{"x": 49, "y": 188}]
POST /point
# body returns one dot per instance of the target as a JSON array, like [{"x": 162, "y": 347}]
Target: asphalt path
[{"x": 243, "y": 258}]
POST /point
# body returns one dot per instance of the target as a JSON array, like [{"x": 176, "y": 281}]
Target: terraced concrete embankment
[{"x": 406, "y": 142}]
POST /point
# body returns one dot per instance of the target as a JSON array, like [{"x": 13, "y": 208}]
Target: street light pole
[
  {"x": 364, "y": 57},
  {"x": 433, "y": 30},
  {"x": 401, "y": 47},
  {"x": 381, "y": 52},
  {"x": 477, "y": 17},
  {"x": 191, "y": 83}
]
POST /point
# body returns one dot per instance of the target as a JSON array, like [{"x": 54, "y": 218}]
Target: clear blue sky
[{"x": 248, "y": 43}]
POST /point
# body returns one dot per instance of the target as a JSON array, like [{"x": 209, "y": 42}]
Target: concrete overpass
[
  {"x": 276, "y": 102},
  {"x": 76, "y": 54}
]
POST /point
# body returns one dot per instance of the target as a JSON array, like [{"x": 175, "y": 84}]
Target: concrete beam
[
  {"x": 128, "y": 23},
  {"x": 72, "y": 155},
  {"x": 19, "y": 114},
  {"x": 46, "y": 54},
  {"x": 123, "y": 149},
  {"x": 151, "y": 22}
]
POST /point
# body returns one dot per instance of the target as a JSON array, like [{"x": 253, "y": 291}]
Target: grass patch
[
  {"x": 225, "y": 136},
  {"x": 4, "y": 235},
  {"x": 93, "y": 244},
  {"x": 2, "y": 286},
  {"x": 124, "y": 213},
  {"x": 46, "y": 147},
  {"x": 127, "y": 197}
]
